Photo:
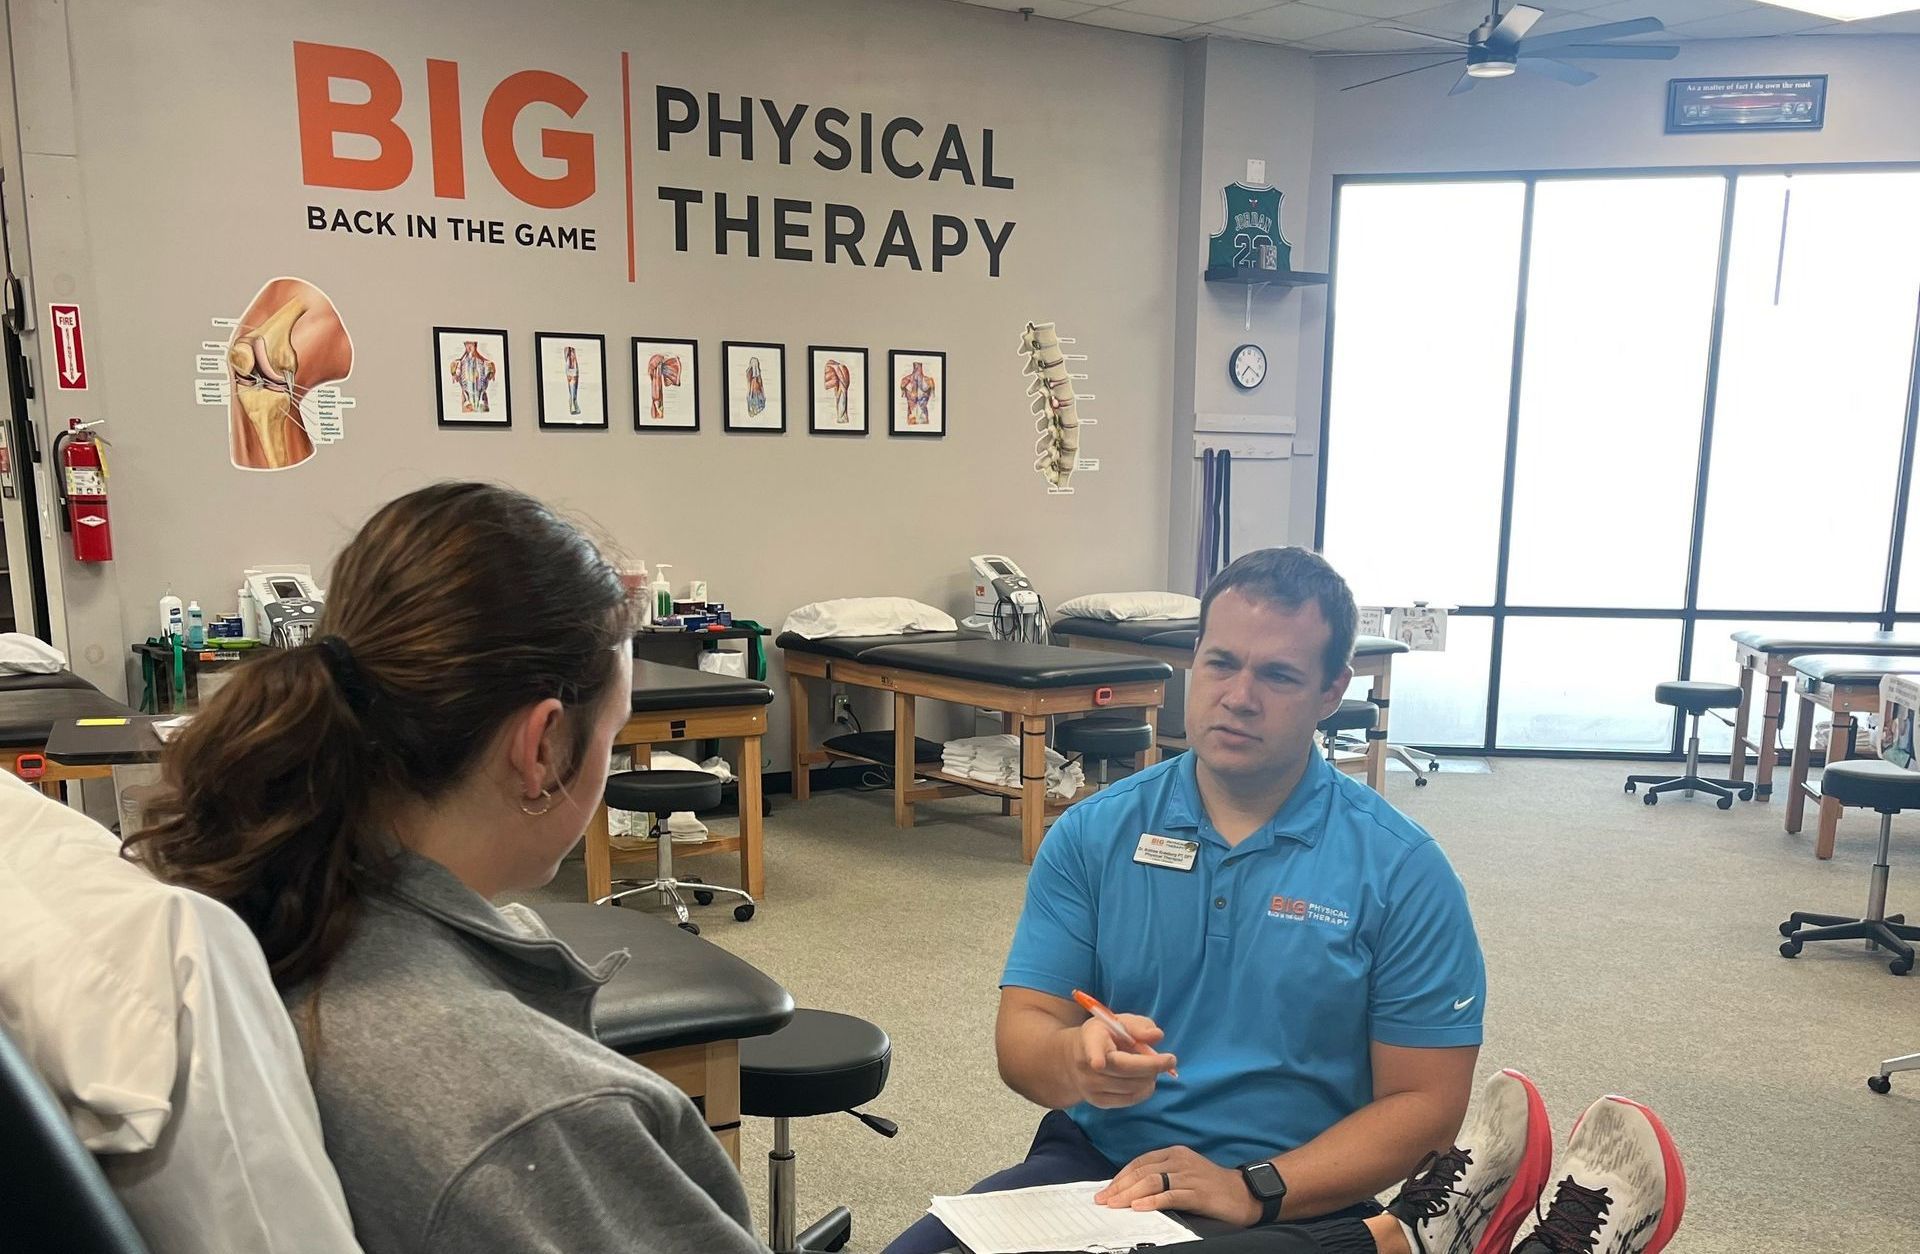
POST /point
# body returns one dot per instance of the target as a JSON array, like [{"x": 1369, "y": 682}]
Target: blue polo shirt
[{"x": 1270, "y": 965}]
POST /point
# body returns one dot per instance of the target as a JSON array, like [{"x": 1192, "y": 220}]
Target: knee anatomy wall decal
[
  {"x": 1056, "y": 406},
  {"x": 278, "y": 369}
]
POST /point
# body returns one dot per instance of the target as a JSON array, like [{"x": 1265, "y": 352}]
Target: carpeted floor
[{"x": 1630, "y": 950}]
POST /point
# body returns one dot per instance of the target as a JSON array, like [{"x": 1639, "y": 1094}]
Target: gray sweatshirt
[{"x": 468, "y": 1107}]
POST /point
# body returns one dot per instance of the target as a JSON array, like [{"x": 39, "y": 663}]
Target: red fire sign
[{"x": 69, "y": 348}]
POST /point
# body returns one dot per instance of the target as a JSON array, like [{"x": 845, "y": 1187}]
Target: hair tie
[{"x": 347, "y": 676}]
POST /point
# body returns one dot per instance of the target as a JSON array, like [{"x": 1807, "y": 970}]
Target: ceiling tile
[
  {"x": 1058, "y": 9},
  {"x": 1375, "y": 39},
  {"x": 1192, "y": 11},
  {"x": 1671, "y": 12},
  {"x": 1292, "y": 21},
  {"x": 1454, "y": 19},
  {"x": 1375, "y": 9},
  {"x": 1138, "y": 23},
  {"x": 1758, "y": 20},
  {"x": 1892, "y": 24}
]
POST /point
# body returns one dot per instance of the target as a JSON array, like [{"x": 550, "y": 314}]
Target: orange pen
[{"x": 1092, "y": 1005}]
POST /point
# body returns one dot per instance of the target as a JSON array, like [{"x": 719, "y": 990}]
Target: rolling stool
[
  {"x": 655, "y": 793},
  {"x": 1102, "y": 738},
  {"x": 1354, "y": 716},
  {"x": 1889, "y": 790},
  {"x": 1883, "y": 1082},
  {"x": 1694, "y": 697},
  {"x": 821, "y": 1063}
]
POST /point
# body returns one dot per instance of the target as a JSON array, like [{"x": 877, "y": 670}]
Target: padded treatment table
[
  {"x": 680, "y": 1006},
  {"x": 1174, "y": 643},
  {"x": 673, "y": 704},
  {"x": 1845, "y": 684},
  {"x": 1026, "y": 683},
  {"x": 1772, "y": 654},
  {"x": 31, "y": 706}
]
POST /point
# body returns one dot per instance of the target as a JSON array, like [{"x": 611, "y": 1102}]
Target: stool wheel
[
  {"x": 1746, "y": 793},
  {"x": 1900, "y": 966},
  {"x": 1790, "y": 949},
  {"x": 1725, "y": 803},
  {"x": 1789, "y": 928},
  {"x": 1433, "y": 767},
  {"x": 1652, "y": 798},
  {"x": 1880, "y": 1083},
  {"x": 702, "y": 896},
  {"x": 690, "y": 926},
  {"x": 741, "y": 913},
  {"x": 1632, "y": 787},
  {"x": 1419, "y": 781}
]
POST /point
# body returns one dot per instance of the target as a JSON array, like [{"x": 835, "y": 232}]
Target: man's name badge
[{"x": 1166, "y": 851}]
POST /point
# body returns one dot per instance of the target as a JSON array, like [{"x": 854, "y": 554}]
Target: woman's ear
[{"x": 533, "y": 747}]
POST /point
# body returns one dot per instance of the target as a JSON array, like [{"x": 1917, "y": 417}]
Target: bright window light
[{"x": 1845, "y": 10}]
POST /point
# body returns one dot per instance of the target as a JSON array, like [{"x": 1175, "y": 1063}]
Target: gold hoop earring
[{"x": 546, "y": 795}]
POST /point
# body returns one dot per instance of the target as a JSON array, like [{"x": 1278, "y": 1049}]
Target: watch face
[
  {"x": 1263, "y": 1178},
  {"x": 1248, "y": 366}
]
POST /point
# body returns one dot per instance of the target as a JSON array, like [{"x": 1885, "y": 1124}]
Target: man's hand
[
  {"x": 1108, "y": 1074},
  {"x": 1177, "y": 1178}
]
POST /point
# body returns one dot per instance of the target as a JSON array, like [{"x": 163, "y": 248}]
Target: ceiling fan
[{"x": 1500, "y": 45}]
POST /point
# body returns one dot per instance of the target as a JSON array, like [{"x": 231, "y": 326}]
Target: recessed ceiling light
[{"x": 1845, "y": 10}]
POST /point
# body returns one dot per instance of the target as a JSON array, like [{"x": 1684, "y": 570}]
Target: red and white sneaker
[
  {"x": 1624, "y": 1189},
  {"x": 1473, "y": 1198}
]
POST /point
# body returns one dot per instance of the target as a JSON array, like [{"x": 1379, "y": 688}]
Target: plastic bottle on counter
[
  {"x": 662, "y": 593},
  {"x": 642, "y": 600},
  {"x": 244, "y": 599},
  {"x": 196, "y": 626},
  {"x": 172, "y": 617}
]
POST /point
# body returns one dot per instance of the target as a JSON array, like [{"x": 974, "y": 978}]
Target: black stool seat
[
  {"x": 1351, "y": 716},
  {"x": 1697, "y": 696},
  {"x": 663, "y": 792},
  {"x": 1103, "y": 736},
  {"x": 820, "y": 1063},
  {"x": 1870, "y": 782}
]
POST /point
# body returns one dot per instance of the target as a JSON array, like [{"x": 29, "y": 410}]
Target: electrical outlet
[{"x": 842, "y": 710}]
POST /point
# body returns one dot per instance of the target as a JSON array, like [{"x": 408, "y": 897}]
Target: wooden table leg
[
  {"x": 798, "y": 731},
  {"x": 903, "y": 763},
  {"x": 1152, "y": 754},
  {"x": 1839, "y": 749},
  {"x": 599, "y": 851},
  {"x": 1737, "y": 764},
  {"x": 1010, "y": 725},
  {"x": 1381, "y": 696},
  {"x": 1769, "y": 749},
  {"x": 753, "y": 864},
  {"x": 1802, "y": 761},
  {"x": 1033, "y": 785}
]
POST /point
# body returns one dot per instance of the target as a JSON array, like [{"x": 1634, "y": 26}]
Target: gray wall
[
  {"x": 174, "y": 170},
  {"x": 1531, "y": 123}
]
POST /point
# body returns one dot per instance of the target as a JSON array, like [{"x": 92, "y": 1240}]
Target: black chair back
[{"x": 54, "y": 1199}]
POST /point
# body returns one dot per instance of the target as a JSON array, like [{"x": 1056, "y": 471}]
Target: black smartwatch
[{"x": 1268, "y": 1189}]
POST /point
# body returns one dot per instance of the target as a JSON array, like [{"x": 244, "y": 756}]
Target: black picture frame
[
  {"x": 690, "y": 378},
  {"x": 862, "y": 387},
  {"x": 540, "y": 380},
  {"x": 942, "y": 393},
  {"x": 504, "y": 381},
  {"x": 1796, "y": 102},
  {"x": 727, "y": 348}
]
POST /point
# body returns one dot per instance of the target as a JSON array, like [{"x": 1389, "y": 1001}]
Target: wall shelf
[{"x": 1252, "y": 276}]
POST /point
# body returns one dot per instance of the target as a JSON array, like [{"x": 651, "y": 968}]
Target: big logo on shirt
[{"x": 1300, "y": 910}]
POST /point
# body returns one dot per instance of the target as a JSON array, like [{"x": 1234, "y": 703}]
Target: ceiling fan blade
[
  {"x": 1427, "y": 34},
  {"x": 1464, "y": 85},
  {"x": 1557, "y": 69},
  {"x": 1402, "y": 74},
  {"x": 1614, "y": 52},
  {"x": 1513, "y": 28},
  {"x": 1596, "y": 34}
]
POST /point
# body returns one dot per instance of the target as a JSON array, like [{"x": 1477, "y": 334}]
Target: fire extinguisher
[{"x": 82, "y": 460}]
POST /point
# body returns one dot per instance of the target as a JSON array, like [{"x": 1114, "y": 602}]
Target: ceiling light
[
  {"x": 1845, "y": 10},
  {"x": 1490, "y": 69}
]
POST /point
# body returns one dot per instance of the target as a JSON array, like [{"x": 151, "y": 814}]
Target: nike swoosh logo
[{"x": 1462, "y": 1005}]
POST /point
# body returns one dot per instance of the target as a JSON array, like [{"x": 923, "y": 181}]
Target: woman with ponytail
[{"x": 359, "y": 800}]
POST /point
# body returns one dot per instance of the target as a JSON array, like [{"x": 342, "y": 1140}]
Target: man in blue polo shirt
[{"x": 1299, "y": 953}]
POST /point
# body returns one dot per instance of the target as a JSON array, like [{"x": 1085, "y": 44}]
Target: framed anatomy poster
[
  {"x": 756, "y": 377},
  {"x": 573, "y": 380},
  {"x": 917, "y": 381},
  {"x": 470, "y": 377},
  {"x": 666, "y": 385},
  {"x": 837, "y": 388}
]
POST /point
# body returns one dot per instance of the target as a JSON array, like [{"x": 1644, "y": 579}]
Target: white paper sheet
[
  {"x": 164, "y": 729},
  {"x": 1052, "y": 1217}
]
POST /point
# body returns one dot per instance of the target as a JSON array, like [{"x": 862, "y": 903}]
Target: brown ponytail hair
[{"x": 454, "y": 607}]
